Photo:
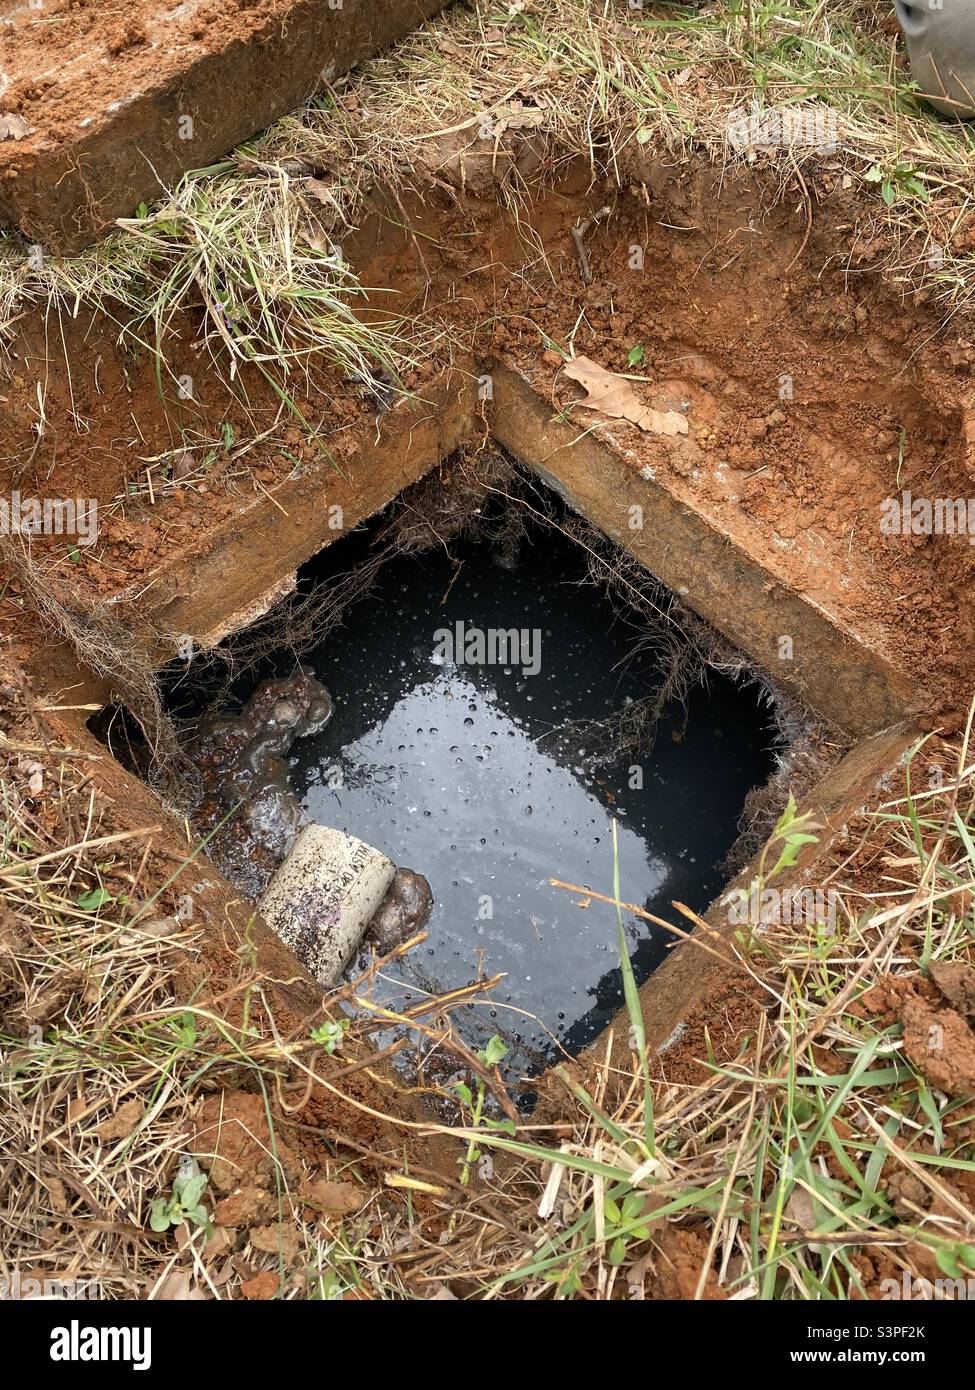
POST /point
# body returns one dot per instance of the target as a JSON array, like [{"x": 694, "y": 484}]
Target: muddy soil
[{"x": 243, "y": 791}]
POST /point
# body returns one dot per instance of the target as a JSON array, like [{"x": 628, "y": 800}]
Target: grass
[
  {"x": 781, "y": 1160},
  {"x": 274, "y": 292},
  {"x": 597, "y": 81},
  {"x": 251, "y": 242},
  {"x": 784, "y": 1165},
  {"x": 109, "y": 1043}
]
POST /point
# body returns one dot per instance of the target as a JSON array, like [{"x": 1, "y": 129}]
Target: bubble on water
[{"x": 477, "y": 793}]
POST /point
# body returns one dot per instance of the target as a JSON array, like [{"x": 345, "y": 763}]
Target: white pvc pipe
[{"x": 324, "y": 896}]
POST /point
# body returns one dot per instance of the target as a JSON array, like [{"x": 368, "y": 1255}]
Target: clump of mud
[
  {"x": 405, "y": 910},
  {"x": 937, "y": 1015},
  {"x": 246, "y": 801}
]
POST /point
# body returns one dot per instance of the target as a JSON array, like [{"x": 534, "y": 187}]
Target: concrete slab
[
  {"x": 833, "y": 669},
  {"x": 251, "y": 560},
  {"x": 103, "y": 106}
]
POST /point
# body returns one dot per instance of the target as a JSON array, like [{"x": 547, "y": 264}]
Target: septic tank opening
[{"x": 503, "y": 684}]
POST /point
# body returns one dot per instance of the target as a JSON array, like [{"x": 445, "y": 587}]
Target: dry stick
[
  {"x": 917, "y": 1169},
  {"x": 447, "y": 1040},
  {"x": 18, "y": 869},
  {"x": 809, "y": 216},
  {"x": 495, "y": 1087},
  {"x": 726, "y": 1195},
  {"x": 413, "y": 237},
  {"x": 578, "y": 232},
  {"x": 12, "y": 747},
  {"x": 387, "y": 1160},
  {"x": 438, "y": 1002},
  {"x": 657, "y": 921}
]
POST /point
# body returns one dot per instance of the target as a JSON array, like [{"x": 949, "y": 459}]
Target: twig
[{"x": 578, "y": 233}]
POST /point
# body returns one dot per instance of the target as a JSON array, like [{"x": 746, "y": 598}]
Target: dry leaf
[
  {"x": 58, "y": 1195},
  {"x": 278, "y": 1238},
  {"x": 333, "y": 1196},
  {"x": 800, "y": 1209},
  {"x": 219, "y": 1242},
  {"x": 320, "y": 190},
  {"x": 154, "y": 926},
  {"x": 614, "y": 396},
  {"x": 176, "y": 1288},
  {"x": 184, "y": 463},
  {"x": 77, "y": 1106},
  {"x": 35, "y": 773},
  {"x": 262, "y": 1287},
  {"x": 14, "y": 127}
]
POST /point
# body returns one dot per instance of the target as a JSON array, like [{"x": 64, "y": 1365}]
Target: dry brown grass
[
  {"x": 815, "y": 1161},
  {"x": 470, "y": 97}
]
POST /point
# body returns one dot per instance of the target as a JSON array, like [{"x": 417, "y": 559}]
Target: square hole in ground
[{"x": 505, "y": 684}]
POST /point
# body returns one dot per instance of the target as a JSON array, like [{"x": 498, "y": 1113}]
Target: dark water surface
[{"x": 467, "y": 774}]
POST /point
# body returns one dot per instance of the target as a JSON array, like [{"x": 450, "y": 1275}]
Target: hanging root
[
  {"x": 123, "y": 653},
  {"x": 479, "y": 495},
  {"x": 434, "y": 513},
  {"x": 685, "y": 650}
]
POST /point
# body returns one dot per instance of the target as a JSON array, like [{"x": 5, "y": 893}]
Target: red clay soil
[
  {"x": 729, "y": 322},
  {"x": 936, "y": 1016},
  {"x": 734, "y": 297}
]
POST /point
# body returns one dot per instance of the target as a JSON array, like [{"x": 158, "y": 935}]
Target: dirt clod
[
  {"x": 278, "y": 1238},
  {"x": 334, "y": 1196},
  {"x": 262, "y": 1287},
  {"x": 937, "y": 1038},
  {"x": 956, "y": 981},
  {"x": 122, "y": 1123},
  {"x": 234, "y": 1141},
  {"x": 245, "y": 1207}
]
